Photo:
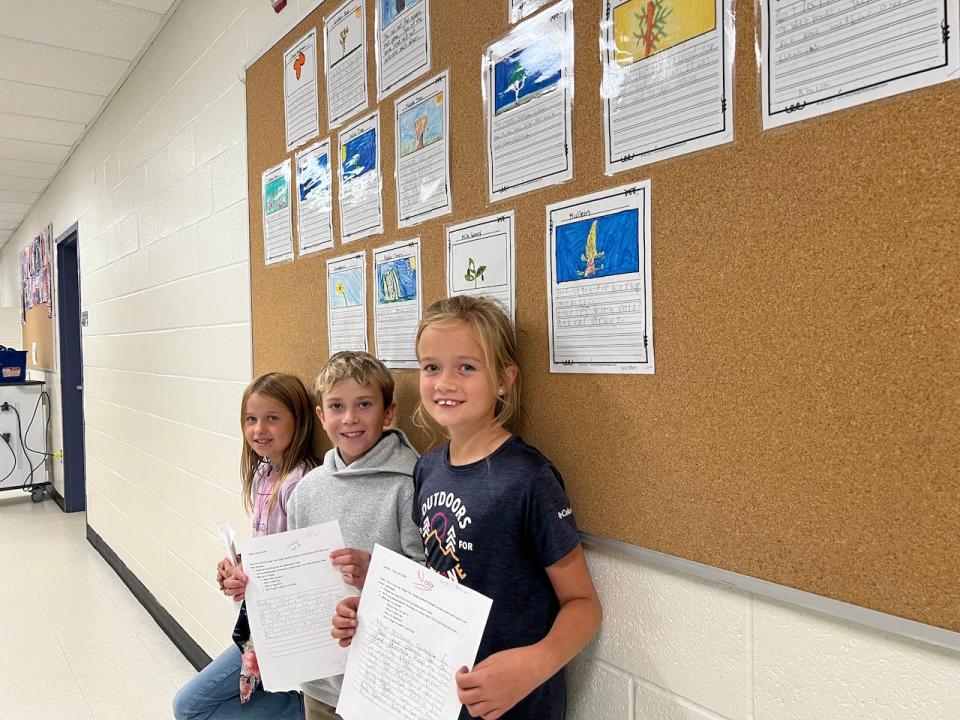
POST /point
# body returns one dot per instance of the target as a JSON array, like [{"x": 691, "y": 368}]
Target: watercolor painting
[
  {"x": 345, "y": 288},
  {"x": 421, "y": 125},
  {"x": 392, "y": 8},
  {"x": 642, "y": 28},
  {"x": 313, "y": 177},
  {"x": 397, "y": 280},
  {"x": 359, "y": 155},
  {"x": 526, "y": 74},
  {"x": 598, "y": 247},
  {"x": 275, "y": 196}
]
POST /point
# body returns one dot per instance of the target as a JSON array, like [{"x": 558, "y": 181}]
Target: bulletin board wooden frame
[{"x": 803, "y": 425}]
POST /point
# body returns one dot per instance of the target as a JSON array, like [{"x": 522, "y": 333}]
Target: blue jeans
[{"x": 214, "y": 694}]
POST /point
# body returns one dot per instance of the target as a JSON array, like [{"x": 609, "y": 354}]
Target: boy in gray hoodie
[{"x": 365, "y": 482}]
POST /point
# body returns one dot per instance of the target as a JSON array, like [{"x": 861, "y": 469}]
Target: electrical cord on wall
[
  {"x": 14, "y": 456},
  {"x": 43, "y": 393}
]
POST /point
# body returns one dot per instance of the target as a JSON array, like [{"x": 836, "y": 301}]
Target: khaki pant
[{"x": 317, "y": 710}]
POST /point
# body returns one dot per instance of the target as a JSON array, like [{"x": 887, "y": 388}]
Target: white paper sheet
[
  {"x": 291, "y": 598},
  {"x": 600, "y": 315},
  {"x": 396, "y": 310},
  {"x": 415, "y": 629},
  {"x": 314, "y": 199},
  {"x": 818, "y": 56},
  {"x": 403, "y": 43},
  {"x": 668, "y": 91},
  {"x": 422, "y": 122},
  {"x": 345, "y": 61},
  {"x": 361, "y": 208},
  {"x": 277, "y": 223},
  {"x": 481, "y": 259},
  {"x": 527, "y": 95},
  {"x": 300, "y": 106},
  {"x": 519, "y": 9},
  {"x": 347, "y": 303}
]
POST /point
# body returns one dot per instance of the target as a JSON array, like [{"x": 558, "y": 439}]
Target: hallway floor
[{"x": 74, "y": 642}]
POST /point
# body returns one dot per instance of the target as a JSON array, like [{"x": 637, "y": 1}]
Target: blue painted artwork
[
  {"x": 397, "y": 280},
  {"x": 527, "y": 73},
  {"x": 345, "y": 288},
  {"x": 598, "y": 247},
  {"x": 392, "y": 8},
  {"x": 421, "y": 125},
  {"x": 275, "y": 196},
  {"x": 360, "y": 155},
  {"x": 313, "y": 177}
]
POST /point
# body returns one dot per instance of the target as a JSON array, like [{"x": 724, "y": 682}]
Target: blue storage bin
[{"x": 13, "y": 366}]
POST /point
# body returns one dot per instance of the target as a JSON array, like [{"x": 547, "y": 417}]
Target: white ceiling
[{"x": 61, "y": 61}]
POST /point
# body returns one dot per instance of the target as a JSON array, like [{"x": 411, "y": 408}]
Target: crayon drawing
[
  {"x": 642, "y": 28},
  {"x": 392, "y": 8},
  {"x": 528, "y": 73},
  {"x": 345, "y": 35},
  {"x": 313, "y": 177},
  {"x": 598, "y": 247},
  {"x": 359, "y": 155},
  {"x": 397, "y": 280},
  {"x": 345, "y": 288},
  {"x": 275, "y": 196},
  {"x": 479, "y": 263},
  {"x": 422, "y": 124}
]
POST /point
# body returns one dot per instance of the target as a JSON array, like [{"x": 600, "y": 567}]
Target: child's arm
[{"x": 502, "y": 680}]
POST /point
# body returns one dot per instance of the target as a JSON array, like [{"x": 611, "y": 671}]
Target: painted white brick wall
[{"x": 159, "y": 189}]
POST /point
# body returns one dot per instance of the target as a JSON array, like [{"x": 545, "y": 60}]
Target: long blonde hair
[
  {"x": 495, "y": 335},
  {"x": 291, "y": 393}
]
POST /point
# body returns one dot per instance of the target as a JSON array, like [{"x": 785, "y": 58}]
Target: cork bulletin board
[{"x": 803, "y": 424}]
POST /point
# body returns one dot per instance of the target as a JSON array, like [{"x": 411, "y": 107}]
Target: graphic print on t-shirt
[{"x": 444, "y": 515}]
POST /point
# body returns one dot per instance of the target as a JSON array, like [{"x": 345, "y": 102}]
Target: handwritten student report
[
  {"x": 598, "y": 282},
  {"x": 481, "y": 259},
  {"x": 667, "y": 78},
  {"x": 818, "y": 56},
  {"x": 527, "y": 93},
  {"x": 345, "y": 61},
  {"x": 396, "y": 310},
  {"x": 415, "y": 629},
  {"x": 403, "y": 43},
  {"x": 361, "y": 211},
  {"x": 347, "y": 302},
  {"x": 291, "y": 597},
  {"x": 301, "y": 112},
  {"x": 277, "y": 223}
]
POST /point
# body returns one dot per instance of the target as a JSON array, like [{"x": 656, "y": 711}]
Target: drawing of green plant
[
  {"x": 651, "y": 25},
  {"x": 473, "y": 272}
]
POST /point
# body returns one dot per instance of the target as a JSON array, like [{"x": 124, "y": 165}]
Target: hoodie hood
[{"x": 393, "y": 454}]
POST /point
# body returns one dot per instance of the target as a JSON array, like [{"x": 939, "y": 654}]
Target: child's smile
[{"x": 353, "y": 417}]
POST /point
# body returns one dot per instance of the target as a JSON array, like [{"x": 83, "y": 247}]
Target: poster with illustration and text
[
  {"x": 396, "y": 310},
  {"x": 361, "y": 209},
  {"x": 527, "y": 93},
  {"x": 345, "y": 61},
  {"x": 423, "y": 152},
  {"x": 347, "y": 303},
  {"x": 667, "y": 84},
  {"x": 403, "y": 43},
  {"x": 277, "y": 224},
  {"x": 481, "y": 259},
  {"x": 598, "y": 282},
  {"x": 300, "y": 105},
  {"x": 314, "y": 199}
]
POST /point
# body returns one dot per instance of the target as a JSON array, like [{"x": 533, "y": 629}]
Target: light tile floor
[{"x": 74, "y": 642}]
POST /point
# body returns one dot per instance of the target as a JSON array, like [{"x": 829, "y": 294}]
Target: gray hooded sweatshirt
[{"x": 372, "y": 498}]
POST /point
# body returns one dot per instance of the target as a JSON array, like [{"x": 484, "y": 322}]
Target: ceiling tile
[
  {"x": 18, "y": 196},
  {"x": 9, "y": 182},
  {"x": 12, "y": 208},
  {"x": 61, "y": 68},
  {"x": 9, "y": 224},
  {"x": 31, "y": 150},
  {"x": 157, "y": 6},
  {"x": 39, "y": 171},
  {"x": 93, "y": 26},
  {"x": 24, "y": 127},
  {"x": 48, "y": 102}
]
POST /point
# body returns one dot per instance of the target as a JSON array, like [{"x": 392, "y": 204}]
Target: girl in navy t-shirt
[{"x": 494, "y": 516}]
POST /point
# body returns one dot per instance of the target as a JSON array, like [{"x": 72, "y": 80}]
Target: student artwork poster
[
  {"x": 361, "y": 211},
  {"x": 347, "y": 303},
  {"x": 396, "y": 313},
  {"x": 817, "y": 58},
  {"x": 423, "y": 152},
  {"x": 314, "y": 199},
  {"x": 598, "y": 282},
  {"x": 481, "y": 259},
  {"x": 403, "y": 43},
  {"x": 277, "y": 224},
  {"x": 667, "y": 84},
  {"x": 345, "y": 61},
  {"x": 528, "y": 93},
  {"x": 301, "y": 109}
]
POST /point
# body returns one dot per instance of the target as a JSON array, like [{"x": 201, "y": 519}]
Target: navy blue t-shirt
[{"x": 494, "y": 525}]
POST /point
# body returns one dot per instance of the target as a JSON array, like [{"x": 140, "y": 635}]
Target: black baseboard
[
  {"x": 57, "y": 497},
  {"x": 191, "y": 651}
]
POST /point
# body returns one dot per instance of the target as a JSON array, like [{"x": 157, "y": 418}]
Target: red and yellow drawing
[{"x": 642, "y": 28}]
